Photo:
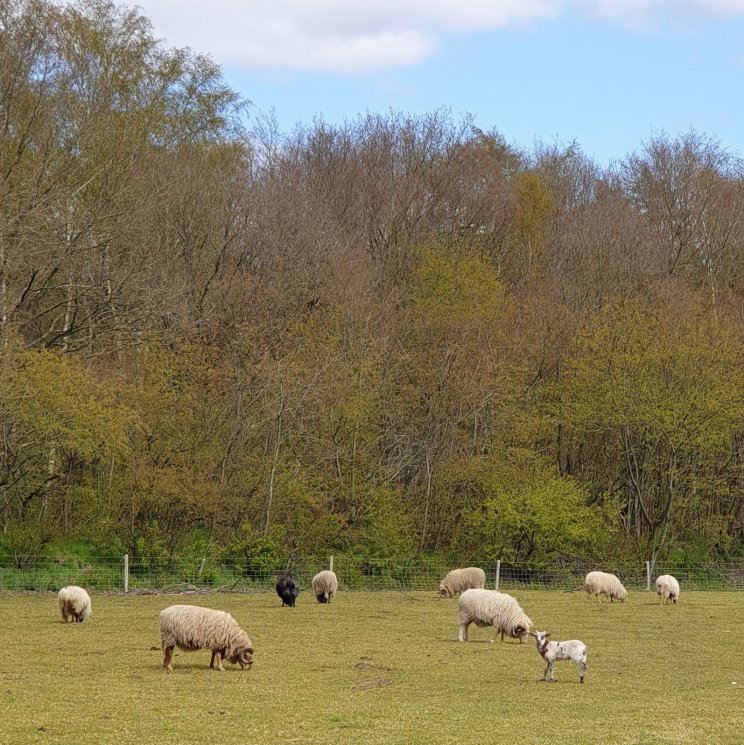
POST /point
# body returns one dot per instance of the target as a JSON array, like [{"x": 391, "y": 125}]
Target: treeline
[{"x": 390, "y": 337}]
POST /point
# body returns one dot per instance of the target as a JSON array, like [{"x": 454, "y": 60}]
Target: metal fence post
[
  {"x": 648, "y": 576},
  {"x": 498, "y": 573},
  {"x": 126, "y": 572}
]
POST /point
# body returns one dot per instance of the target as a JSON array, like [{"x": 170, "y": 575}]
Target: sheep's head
[
  {"x": 443, "y": 591},
  {"x": 243, "y": 656},
  {"x": 541, "y": 637},
  {"x": 521, "y": 633}
]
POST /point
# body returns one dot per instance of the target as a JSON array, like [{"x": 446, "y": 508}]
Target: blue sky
[{"x": 606, "y": 73}]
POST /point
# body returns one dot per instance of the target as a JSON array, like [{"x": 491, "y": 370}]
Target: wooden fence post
[
  {"x": 648, "y": 576},
  {"x": 126, "y": 572},
  {"x": 498, "y": 573},
  {"x": 331, "y": 564}
]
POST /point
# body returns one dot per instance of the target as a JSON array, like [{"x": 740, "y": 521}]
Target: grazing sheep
[
  {"x": 459, "y": 580},
  {"x": 74, "y": 603},
  {"x": 287, "y": 589},
  {"x": 667, "y": 588},
  {"x": 551, "y": 651},
  {"x": 491, "y": 608},
  {"x": 602, "y": 583},
  {"x": 325, "y": 584},
  {"x": 190, "y": 627}
]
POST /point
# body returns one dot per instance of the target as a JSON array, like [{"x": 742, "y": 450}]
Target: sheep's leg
[
  {"x": 462, "y": 634},
  {"x": 545, "y": 672},
  {"x": 582, "y": 671},
  {"x": 168, "y": 654},
  {"x": 550, "y": 668},
  {"x": 211, "y": 662},
  {"x": 218, "y": 655}
]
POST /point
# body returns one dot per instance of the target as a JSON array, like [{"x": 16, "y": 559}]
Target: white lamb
[
  {"x": 74, "y": 604},
  {"x": 667, "y": 588},
  {"x": 551, "y": 651},
  {"x": 492, "y": 608},
  {"x": 603, "y": 583},
  {"x": 462, "y": 579}
]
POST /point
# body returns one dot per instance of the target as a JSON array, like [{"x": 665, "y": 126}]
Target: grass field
[{"x": 375, "y": 668}]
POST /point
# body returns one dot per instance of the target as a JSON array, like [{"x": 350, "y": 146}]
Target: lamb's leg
[
  {"x": 168, "y": 654},
  {"x": 582, "y": 671},
  {"x": 550, "y": 667},
  {"x": 545, "y": 672}
]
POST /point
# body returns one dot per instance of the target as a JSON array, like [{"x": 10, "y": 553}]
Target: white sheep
[
  {"x": 190, "y": 627},
  {"x": 459, "y": 580},
  {"x": 603, "y": 583},
  {"x": 667, "y": 588},
  {"x": 325, "y": 584},
  {"x": 551, "y": 651},
  {"x": 74, "y": 604},
  {"x": 492, "y": 608}
]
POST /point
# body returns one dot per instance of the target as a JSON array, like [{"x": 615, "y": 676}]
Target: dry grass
[{"x": 375, "y": 668}]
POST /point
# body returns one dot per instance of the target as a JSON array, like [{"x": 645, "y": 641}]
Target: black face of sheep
[{"x": 287, "y": 589}]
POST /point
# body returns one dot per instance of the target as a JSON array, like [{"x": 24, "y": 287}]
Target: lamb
[
  {"x": 602, "y": 583},
  {"x": 190, "y": 627},
  {"x": 287, "y": 589},
  {"x": 551, "y": 651},
  {"x": 74, "y": 603},
  {"x": 325, "y": 584},
  {"x": 492, "y": 608},
  {"x": 459, "y": 580},
  {"x": 667, "y": 588}
]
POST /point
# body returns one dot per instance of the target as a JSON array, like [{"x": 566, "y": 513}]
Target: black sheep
[{"x": 287, "y": 589}]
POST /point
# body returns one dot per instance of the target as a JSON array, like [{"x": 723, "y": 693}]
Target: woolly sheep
[
  {"x": 325, "y": 584},
  {"x": 459, "y": 580},
  {"x": 551, "y": 651},
  {"x": 492, "y": 608},
  {"x": 667, "y": 588},
  {"x": 74, "y": 604},
  {"x": 190, "y": 627},
  {"x": 287, "y": 589},
  {"x": 602, "y": 583}
]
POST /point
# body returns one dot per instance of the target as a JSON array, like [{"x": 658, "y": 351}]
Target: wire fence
[{"x": 156, "y": 574}]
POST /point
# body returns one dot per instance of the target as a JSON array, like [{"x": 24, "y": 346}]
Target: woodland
[{"x": 398, "y": 336}]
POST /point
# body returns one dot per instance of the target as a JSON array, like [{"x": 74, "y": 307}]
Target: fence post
[
  {"x": 498, "y": 573},
  {"x": 201, "y": 569},
  {"x": 331, "y": 564},
  {"x": 126, "y": 572},
  {"x": 648, "y": 576}
]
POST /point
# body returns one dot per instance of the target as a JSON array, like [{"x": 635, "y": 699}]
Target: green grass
[{"x": 375, "y": 668}]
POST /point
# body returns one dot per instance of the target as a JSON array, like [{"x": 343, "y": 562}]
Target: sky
[{"x": 606, "y": 74}]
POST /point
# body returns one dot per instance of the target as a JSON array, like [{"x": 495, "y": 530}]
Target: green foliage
[
  {"x": 665, "y": 397},
  {"x": 533, "y": 515}
]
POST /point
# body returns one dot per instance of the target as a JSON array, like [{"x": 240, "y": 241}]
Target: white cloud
[
  {"x": 351, "y": 36},
  {"x": 357, "y": 36}
]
